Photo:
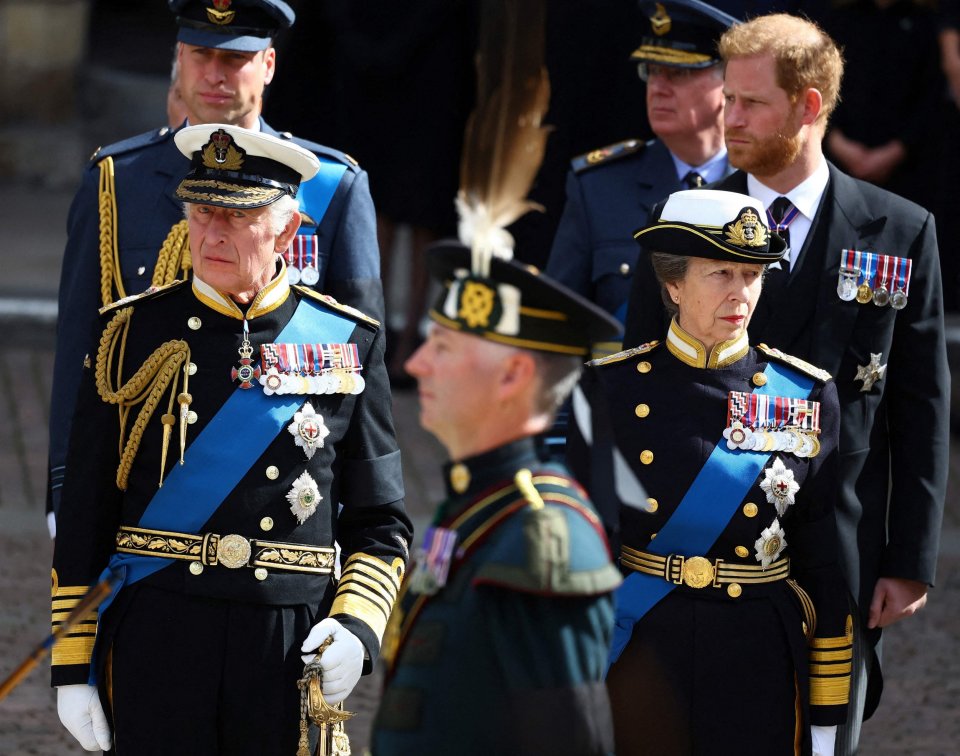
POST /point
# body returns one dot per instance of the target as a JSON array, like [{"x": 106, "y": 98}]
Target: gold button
[
  {"x": 273, "y": 472},
  {"x": 260, "y": 573},
  {"x": 644, "y": 367},
  {"x": 196, "y": 568},
  {"x": 191, "y": 417},
  {"x": 194, "y": 323},
  {"x": 624, "y": 269},
  {"x": 734, "y": 590},
  {"x": 646, "y": 456},
  {"x": 266, "y": 523},
  {"x": 653, "y": 504},
  {"x": 804, "y": 626},
  {"x": 652, "y": 536},
  {"x": 741, "y": 551},
  {"x": 459, "y": 477},
  {"x": 750, "y": 509},
  {"x": 192, "y": 368},
  {"x": 642, "y": 410},
  {"x": 759, "y": 379}
]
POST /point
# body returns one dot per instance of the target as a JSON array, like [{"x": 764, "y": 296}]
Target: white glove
[
  {"x": 81, "y": 713},
  {"x": 341, "y": 662},
  {"x": 824, "y": 739}
]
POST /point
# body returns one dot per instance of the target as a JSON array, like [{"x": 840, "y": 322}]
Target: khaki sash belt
[{"x": 232, "y": 551}]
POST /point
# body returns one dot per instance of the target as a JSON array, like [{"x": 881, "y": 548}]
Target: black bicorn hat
[
  {"x": 682, "y": 33},
  {"x": 234, "y": 167},
  {"x": 512, "y": 303},
  {"x": 713, "y": 224},
  {"x": 242, "y": 25}
]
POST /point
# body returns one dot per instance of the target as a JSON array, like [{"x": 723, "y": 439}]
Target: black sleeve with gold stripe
[{"x": 365, "y": 597}]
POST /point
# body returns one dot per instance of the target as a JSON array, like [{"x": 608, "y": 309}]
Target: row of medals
[
  {"x": 788, "y": 440},
  {"x": 308, "y": 275},
  {"x": 337, "y": 381},
  {"x": 848, "y": 290}
]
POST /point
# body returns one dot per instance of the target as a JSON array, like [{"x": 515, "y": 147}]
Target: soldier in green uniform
[
  {"x": 499, "y": 641},
  {"x": 254, "y": 430}
]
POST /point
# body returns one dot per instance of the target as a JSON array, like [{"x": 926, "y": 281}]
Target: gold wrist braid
[
  {"x": 146, "y": 386},
  {"x": 109, "y": 256},
  {"x": 174, "y": 257}
]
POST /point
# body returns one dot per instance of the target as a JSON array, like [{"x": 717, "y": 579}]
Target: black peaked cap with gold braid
[
  {"x": 681, "y": 33},
  {"x": 515, "y": 304}
]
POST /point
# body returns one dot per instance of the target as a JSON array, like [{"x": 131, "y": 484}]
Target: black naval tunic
[
  {"x": 143, "y": 208},
  {"x": 736, "y": 666},
  {"x": 223, "y": 644},
  {"x": 508, "y": 656}
]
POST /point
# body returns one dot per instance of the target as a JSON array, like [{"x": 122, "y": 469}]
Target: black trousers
[
  {"x": 711, "y": 678},
  {"x": 192, "y": 675}
]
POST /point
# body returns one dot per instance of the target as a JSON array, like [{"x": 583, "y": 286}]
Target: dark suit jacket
[{"x": 894, "y": 438}]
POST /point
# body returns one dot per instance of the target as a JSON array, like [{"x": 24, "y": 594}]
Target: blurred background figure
[{"x": 400, "y": 87}]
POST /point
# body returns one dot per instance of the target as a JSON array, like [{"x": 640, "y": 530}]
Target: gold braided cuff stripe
[
  {"x": 368, "y": 590},
  {"x": 835, "y": 642},
  {"x": 831, "y": 656},
  {"x": 77, "y": 646},
  {"x": 831, "y": 669},
  {"x": 829, "y": 691}
]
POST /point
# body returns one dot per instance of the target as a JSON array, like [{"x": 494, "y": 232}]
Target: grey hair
[
  {"x": 668, "y": 269},
  {"x": 279, "y": 212},
  {"x": 558, "y": 374}
]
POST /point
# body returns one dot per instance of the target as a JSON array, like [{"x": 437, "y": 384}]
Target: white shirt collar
[{"x": 805, "y": 196}]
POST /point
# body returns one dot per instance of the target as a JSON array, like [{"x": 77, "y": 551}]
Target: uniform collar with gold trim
[
  {"x": 691, "y": 351},
  {"x": 269, "y": 298}
]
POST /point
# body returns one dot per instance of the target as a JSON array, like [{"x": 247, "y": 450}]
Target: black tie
[
  {"x": 778, "y": 211},
  {"x": 693, "y": 180}
]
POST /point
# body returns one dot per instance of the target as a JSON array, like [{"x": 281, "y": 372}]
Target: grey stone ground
[{"x": 919, "y": 715}]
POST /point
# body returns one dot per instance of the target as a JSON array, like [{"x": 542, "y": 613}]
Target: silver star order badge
[
  {"x": 308, "y": 429},
  {"x": 779, "y": 485},
  {"x": 304, "y": 497},
  {"x": 872, "y": 372},
  {"x": 770, "y": 544}
]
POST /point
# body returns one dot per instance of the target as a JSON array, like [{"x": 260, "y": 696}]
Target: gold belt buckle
[
  {"x": 697, "y": 572},
  {"x": 233, "y": 551}
]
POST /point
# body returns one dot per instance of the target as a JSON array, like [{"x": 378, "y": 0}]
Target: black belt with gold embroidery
[
  {"x": 700, "y": 572},
  {"x": 232, "y": 551}
]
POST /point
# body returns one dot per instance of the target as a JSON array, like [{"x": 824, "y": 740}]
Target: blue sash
[
  {"x": 315, "y": 195},
  {"x": 702, "y": 515},
  {"x": 219, "y": 457}
]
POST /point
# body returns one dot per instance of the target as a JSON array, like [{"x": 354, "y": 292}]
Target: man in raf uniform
[
  {"x": 249, "y": 410},
  {"x": 499, "y": 640},
  {"x": 126, "y": 230},
  {"x": 859, "y": 294},
  {"x": 611, "y": 191}
]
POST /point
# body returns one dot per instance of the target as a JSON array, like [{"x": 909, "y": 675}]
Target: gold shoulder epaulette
[
  {"x": 625, "y": 354},
  {"x": 153, "y": 291},
  {"x": 606, "y": 154},
  {"x": 329, "y": 301},
  {"x": 802, "y": 365}
]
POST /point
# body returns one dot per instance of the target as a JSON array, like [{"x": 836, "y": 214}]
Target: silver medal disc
[
  {"x": 310, "y": 276},
  {"x": 293, "y": 275},
  {"x": 898, "y": 300}
]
